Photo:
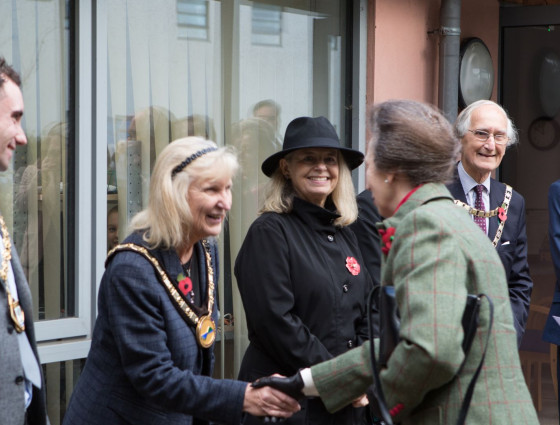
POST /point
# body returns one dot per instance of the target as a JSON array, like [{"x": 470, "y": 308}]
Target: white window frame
[{"x": 54, "y": 336}]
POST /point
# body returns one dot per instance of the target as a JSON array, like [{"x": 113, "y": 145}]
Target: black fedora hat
[{"x": 308, "y": 132}]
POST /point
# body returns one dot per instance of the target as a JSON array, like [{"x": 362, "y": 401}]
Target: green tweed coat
[{"x": 438, "y": 255}]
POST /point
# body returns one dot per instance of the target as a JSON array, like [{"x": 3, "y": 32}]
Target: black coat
[
  {"x": 303, "y": 304},
  {"x": 369, "y": 242}
]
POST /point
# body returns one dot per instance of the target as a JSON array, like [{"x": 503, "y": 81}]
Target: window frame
[{"x": 51, "y": 334}]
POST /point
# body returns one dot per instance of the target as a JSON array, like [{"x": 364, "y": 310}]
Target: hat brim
[{"x": 352, "y": 157}]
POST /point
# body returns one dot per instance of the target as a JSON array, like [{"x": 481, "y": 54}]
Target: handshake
[
  {"x": 297, "y": 388},
  {"x": 292, "y": 386}
]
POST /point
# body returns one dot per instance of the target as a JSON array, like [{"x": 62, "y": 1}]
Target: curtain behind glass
[
  {"x": 159, "y": 89},
  {"x": 34, "y": 39}
]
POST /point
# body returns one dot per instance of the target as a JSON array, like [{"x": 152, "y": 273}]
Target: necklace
[
  {"x": 16, "y": 312},
  {"x": 185, "y": 284}
]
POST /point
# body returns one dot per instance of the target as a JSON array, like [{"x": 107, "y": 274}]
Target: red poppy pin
[
  {"x": 387, "y": 237},
  {"x": 185, "y": 284},
  {"x": 502, "y": 214},
  {"x": 352, "y": 266}
]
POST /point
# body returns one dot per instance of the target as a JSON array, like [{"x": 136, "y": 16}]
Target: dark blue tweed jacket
[{"x": 144, "y": 366}]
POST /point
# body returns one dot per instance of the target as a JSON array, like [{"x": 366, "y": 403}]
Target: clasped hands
[{"x": 294, "y": 387}]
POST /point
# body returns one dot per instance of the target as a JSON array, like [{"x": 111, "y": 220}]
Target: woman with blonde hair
[
  {"x": 151, "y": 357},
  {"x": 300, "y": 271}
]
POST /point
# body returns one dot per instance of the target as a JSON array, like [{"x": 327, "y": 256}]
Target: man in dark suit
[
  {"x": 486, "y": 132},
  {"x": 551, "y": 331},
  {"x": 22, "y": 390}
]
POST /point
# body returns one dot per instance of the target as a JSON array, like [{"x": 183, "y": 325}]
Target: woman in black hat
[{"x": 300, "y": 271}]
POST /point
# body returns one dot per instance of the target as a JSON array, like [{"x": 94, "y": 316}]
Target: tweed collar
[{"x": 427, "y": 193}]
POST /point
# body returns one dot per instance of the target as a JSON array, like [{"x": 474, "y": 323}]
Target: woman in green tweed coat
[{"x": 435, "y": 257}]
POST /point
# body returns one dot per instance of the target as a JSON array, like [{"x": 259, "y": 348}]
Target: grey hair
[{"x": 463, "y": 121}]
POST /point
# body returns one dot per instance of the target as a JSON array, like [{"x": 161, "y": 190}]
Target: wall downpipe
[{"x": 449, "y": 51}]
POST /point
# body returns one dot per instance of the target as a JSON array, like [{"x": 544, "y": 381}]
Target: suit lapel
[{"x": 456, "y": 189}]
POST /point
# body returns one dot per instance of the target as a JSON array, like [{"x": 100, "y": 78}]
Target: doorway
[{"x": 530, "y": 92}]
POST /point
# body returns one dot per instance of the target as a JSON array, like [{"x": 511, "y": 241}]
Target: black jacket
[
  {"x": 512, "y": 248},
  {"x": 302, "y": 302}
]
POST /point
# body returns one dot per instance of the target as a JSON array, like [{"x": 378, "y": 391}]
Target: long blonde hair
[{"x": 167, "y": 220}]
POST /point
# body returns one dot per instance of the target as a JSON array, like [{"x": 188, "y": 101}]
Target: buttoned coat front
[
  {"x": 438, "y": 256},
  {"x": 144, "y": 366},
  {"x": 512, "y": 248},
  {"x": 12, "y": 402},
  {"x": 303, "y": 303}
]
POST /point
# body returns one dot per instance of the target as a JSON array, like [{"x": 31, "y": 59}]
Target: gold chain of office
[
  {"x": 205, "y": 326},
  {"x": 487, "y": 214},
  {"x": 16, "y": 312}
]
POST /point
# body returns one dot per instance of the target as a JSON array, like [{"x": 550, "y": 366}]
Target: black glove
[{"x": 291, "y": 386}]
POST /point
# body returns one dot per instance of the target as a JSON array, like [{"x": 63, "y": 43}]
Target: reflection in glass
[{"x": 35, "y": 193}]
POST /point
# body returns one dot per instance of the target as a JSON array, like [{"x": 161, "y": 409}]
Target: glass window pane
[{"x": 36, "y": 193}]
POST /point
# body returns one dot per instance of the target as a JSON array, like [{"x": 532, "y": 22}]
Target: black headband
[{"x": 190, "y": 159}]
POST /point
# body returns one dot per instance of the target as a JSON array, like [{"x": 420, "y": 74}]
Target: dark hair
[
  {"x": 6, "y": 71},
  {"x": 414, "y": 139}
]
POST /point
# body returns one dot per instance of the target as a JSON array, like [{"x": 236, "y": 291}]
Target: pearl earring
[{"x": 386, "y": 180}]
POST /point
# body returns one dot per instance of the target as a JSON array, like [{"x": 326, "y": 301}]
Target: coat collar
[
  {"x": 427, "y": 193},
  {"x": 318, "y": 218}
]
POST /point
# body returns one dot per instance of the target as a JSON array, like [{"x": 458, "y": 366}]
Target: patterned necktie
[{"x": 479, "y": 205}]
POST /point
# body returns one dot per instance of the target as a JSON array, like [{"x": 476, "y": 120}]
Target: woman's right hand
[{"x": 267, "y": 401}]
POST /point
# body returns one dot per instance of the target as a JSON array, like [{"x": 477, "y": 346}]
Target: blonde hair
[
  {"x": 280, "y": 194},
  {"x": 167, "y": 220}
]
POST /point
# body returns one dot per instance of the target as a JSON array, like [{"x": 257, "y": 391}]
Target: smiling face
[
  {"x": 11, "y": 112},
  {"x": 313, "y": 172},
  {"x": 481, "y": 158},
  {"x": 209, "y": 201}
]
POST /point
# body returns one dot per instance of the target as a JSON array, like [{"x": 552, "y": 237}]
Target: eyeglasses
[{"x": 483, "y": 136}]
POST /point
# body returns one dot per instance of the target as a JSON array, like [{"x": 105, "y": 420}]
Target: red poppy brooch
[
  {"x": 502, "y": 214},
  {"x": 387, "y": 237},
  {"x": 185, "y": 283},
  {"x": 352, "y": 266}
]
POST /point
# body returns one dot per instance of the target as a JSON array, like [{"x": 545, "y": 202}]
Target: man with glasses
[
  {"x": 486, "y": 132},
  {"x": 22, "y": 390}
]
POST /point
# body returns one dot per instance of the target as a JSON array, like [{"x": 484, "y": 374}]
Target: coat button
[
  {"x": 10, "y": 329},
  {"x": 19, "y": 379},
  {"x": 330, "y": 238},
  {"x": 345, "y": 288},
  {"x": 350, "y": 344}
]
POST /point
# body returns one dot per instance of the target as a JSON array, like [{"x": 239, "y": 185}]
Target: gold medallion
[
  {"x": 17, "y": 314},
  {"x": 205, "y": 331}
]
